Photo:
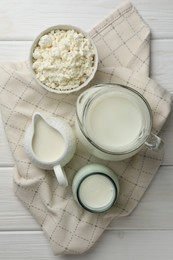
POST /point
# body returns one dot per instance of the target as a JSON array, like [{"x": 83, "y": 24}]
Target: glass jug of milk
[{"x": 113, "y": 122}]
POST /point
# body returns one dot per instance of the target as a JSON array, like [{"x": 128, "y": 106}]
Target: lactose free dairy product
[
  {"x": 63, "y": 59},
  {"x": 114, "y": 121},
  {"x": 48, "y": 144},
  {"x": 97, "y": 191}
]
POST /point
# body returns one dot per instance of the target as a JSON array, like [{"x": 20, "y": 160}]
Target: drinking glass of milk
[
  {"x": 113, "y": 122},
  {"x": 50, "y": 144},
  {"x": 96, "y": 188}
]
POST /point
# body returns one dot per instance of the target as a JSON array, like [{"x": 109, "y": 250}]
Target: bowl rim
[{"x": 63, "y": 27}]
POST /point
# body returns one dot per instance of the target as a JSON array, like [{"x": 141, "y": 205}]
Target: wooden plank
[
  {"x": 155, "y": 210},
  {"x": 6, "y": 158},
  {"x": 161, "y": 58},
  {"x": 162, "y": 63},
  {"x": 161, "y": 71},
  {"x": 119, "y": 245},
  {"x": 13, "y": 51},
  {"x": 23, "y": 20},
  {"x": 166, "y": 135}
]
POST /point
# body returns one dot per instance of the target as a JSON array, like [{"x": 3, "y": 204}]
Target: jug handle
[
  {"x": 154, "y": 142},
  {"x": 61, "y": 175}
]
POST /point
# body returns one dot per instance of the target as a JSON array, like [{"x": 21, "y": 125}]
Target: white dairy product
[
  {"x": 97, "y": 191},
  {"x": 48, "y": 144},
  {"x": 63, "y": 58},
  {"x": 114, "y": 121}
]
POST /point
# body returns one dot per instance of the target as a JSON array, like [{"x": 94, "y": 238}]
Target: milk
[
  {"x": 48, "y": 144},
  {"x": 114, "y": 121},
  {"x": 96, "y": 191}
]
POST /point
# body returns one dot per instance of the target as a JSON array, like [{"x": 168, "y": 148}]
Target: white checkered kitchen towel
[{"x": 123, "y": 43}]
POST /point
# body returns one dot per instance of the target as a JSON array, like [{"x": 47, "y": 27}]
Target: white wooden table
[{"x": 148, "y": 233}]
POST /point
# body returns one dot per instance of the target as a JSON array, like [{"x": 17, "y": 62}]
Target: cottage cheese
[{"x": 63, "y": 59}]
